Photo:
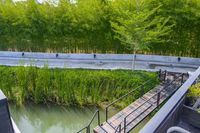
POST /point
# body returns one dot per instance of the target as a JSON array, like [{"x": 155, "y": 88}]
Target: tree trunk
[{"x": 133, "y": 62}]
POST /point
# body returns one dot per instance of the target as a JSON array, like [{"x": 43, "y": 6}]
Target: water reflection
[
  {"x": 43, "y": 119},
  {"x": 55, "y": 119}
]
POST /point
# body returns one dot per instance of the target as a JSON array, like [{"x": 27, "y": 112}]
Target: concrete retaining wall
[{"x": 120, "y": 57}]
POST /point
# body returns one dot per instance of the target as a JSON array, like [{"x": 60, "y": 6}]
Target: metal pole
[
  {"x": 106, "y": 114},
  {"x": 182, "y": 78},
  {"x": 88, "y": 129},
  {"x": 158, "y": 98},
  {"x": 165, "y": 75},
  {"x": 98, "y": 118},
  {"x": 142, "y": 90},
  {"x": 120, "y": 128},
  {"x": 159, "y": 75},
  {"x": 124, "y": 125}
]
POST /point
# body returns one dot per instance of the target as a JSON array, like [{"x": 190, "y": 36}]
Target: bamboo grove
[
  {"x": 94, "y": 25},
  {"x": 72, "y": 86}
]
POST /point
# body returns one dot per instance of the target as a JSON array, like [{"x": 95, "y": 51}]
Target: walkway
[
  {"x": 100, "y": 61},
  {"x": 131, "y": 116}
]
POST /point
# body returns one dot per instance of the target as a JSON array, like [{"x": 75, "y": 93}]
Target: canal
[{"x": 55, "y": 119}]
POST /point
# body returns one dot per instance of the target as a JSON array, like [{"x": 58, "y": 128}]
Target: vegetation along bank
[{"x": 71, "y": 86}]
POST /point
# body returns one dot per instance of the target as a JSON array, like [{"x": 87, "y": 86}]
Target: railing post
[
  {"x": 107, "y": 114},
  {"x": 165, "y": 75},
  {"x": 158, "y": 98},
  {"x": 120, "y": 128},
  {"x": 98, "y": 117},
  {"x": 142, "y": 90},
  {"x": 125, "y": 125},
  {"x": 88, "y": 129},
  {"x": 182, "y": 79},
  {"x": 159, "y": 75}
]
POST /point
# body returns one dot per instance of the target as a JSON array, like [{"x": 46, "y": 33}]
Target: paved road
[{"x": 95, "y": 64}]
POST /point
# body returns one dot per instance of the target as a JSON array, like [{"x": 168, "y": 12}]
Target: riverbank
[{"x": 71, "y": 86}]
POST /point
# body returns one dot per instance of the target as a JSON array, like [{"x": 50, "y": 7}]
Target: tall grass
[{"x": 70, "y": 86}]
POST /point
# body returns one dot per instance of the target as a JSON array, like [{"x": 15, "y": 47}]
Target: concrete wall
[
  {"x": 5, "y": 120},
  {"x": 171, "y": 119},
  {"x": 7, "y": 125},
  {"x": 121, "y": 57}
]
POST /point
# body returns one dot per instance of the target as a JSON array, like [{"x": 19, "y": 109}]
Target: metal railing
[
  {"x": 125, "y": 118},
  {"x": 158, "y": 94},
  {"x": 119, "y": 128},
  {"x": 87, "y": 128},
  {"x": 158, "y": 122},
  {"x": 139, "y": 87},
  {"x": 164, "y": 74}
]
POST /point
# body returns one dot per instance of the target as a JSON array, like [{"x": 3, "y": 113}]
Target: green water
[{"x": 55, "y": 119}]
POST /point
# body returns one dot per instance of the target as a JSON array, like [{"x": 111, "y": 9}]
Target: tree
[{"x": 138, "y": 26}]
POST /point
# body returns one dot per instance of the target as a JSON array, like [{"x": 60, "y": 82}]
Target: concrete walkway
[{"x": 100, "y": 61}]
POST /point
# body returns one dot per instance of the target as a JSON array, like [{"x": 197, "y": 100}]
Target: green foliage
[
  {"x": 184, "y": 40},
  {"x": 194, "y": 91},
  {"x": 91, "y": 26},
  {"x": 71, "y": 86},
  {"x": 139, "y": 28}
]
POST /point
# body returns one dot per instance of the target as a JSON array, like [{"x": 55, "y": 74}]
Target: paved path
[
  {"x": 95, "y": 63},
  {"x": 132, "y": 115}
]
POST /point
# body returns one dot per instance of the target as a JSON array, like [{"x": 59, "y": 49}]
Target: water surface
[{"x": 55, "y": 119}]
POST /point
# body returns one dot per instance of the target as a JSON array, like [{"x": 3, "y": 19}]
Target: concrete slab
[{"x": 100, "y": 61}]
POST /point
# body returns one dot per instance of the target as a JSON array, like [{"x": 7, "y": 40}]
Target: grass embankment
[{"x": 71, "y": 86}]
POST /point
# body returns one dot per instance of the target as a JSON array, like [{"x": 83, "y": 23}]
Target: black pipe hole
[{"x": 179, "y": 59}]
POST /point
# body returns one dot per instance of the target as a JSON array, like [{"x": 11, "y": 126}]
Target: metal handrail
[
  {"x": 125, "y": 125},
  {"x": 127, "y": 94},
  {"x": 173, "y": 103},
  {"x": 87, "y": 128},
  {"x": 157, "y": 93},
  {"x": 119, "y": 127},
  {"x": 82, "y": 129}
]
